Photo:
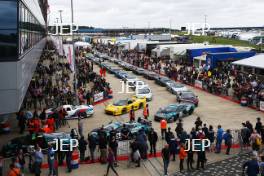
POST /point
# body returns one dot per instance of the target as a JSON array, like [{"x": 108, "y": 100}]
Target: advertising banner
[
  {"x": 68, "y": 52},
  {"x": 261, "y": 106},
  {"x": 98, "y": 97},
  {"x": 57, "y": 40},
  {"x": 198, "y": 84}
]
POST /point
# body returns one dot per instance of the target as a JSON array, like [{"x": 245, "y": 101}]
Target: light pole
[
  {"x": 205, "y": 21},
  {"x": 170, "y": 25},
  {"x": 60, "y": 11},
  {"x": 149, "y": 27},
  {"x": 72, "y": 11},
  {"x": 75, "y": 70}
]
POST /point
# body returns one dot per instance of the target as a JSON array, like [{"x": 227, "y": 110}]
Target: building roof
[{"x": 256, "y": 61}]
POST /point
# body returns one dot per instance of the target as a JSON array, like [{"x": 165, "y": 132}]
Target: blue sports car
[
  {"x": 135, "y": 127},
  {"x": 121, "y": 74},
  {"x": 132, "y": 127},
  {"x": 174, "y": 111},
  {"x": 106, "y": 129}
]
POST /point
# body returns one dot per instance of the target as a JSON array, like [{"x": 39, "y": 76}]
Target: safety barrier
[
  {"x": 75, "y": 159},
  {"x": 5, "y": 166},
  {"x": 123, "y": 153}
]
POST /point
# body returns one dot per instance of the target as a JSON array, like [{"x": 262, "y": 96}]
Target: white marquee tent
[
  {"x": 256, "y": 61},
  {"x": 82, "y": 44}
]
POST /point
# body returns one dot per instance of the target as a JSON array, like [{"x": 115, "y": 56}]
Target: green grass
[
  {"x": 217, "y": 40},
  {"x": 220, "y": 40}
]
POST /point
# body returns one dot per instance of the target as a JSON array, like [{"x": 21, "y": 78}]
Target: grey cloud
[{"x": 129, "y": 13}]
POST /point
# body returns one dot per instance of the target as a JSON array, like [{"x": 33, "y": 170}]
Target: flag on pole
[{"x": 260, "y": 41}]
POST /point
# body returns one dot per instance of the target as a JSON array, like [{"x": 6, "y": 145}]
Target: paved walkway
[{"x": 228, "y": 167}]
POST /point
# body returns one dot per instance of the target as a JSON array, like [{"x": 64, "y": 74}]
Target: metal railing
[{"x": 122, "y": 151}]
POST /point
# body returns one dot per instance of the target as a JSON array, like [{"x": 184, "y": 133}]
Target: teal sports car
[
  {"x": 174, "y": 111},
  {"x": 132, "y": 127}
]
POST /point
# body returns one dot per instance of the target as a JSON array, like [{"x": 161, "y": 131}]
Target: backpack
[
  {"x": 136, "y": 155},
  {"x": 258, "y": 141}
]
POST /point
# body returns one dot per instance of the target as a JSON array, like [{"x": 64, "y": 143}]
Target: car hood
[
  {"x": 179, "y": 88},
  {"x": 163, "y": 115},
  {"x": 50, "y": 137},
  {"x": 190, "y": 98},
  {"x": 149, "y": 95},
  {"x": 112, "y": 107}
]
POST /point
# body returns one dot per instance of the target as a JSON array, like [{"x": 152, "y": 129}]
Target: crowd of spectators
[
  {"x": 50, "y": 85},
  {"x": 225, "y": 79},
  {"x": 90, "y": 82},
  {"x": 143, "y": 143}
]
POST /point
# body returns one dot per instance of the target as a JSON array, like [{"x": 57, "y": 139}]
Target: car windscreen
[
  {"x": 130, "y": 126},
  {"x": 116, "y": 69},
  {"x": 165, "y": 79},
  {"x": 110, "y": 127},
  {"x": 73, "y": 107},
  {"x": 177, "y": 86},
  {"x": 130, "y": 77},
  {"x": 188, "y": 95},
  {"x": 139, "y": 83},
  {"x": 143, "y": 91},
  {"x": 168, "y": 109},
  {"x": 120, "y": 103}
]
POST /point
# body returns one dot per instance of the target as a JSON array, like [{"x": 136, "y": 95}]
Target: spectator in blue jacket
[
  {"x": 228, "y": 141},
  {"x": 252, "y": 167},
  {"x": 51, "y": 161},
  {"x": 143, "y": 146},
  {"x": 38, "y": 155},
  {"x": 219, "y": 138},
  {"x": 173, "y": 147}
]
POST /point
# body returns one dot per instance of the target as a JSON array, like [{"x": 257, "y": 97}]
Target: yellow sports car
[{"x": 123, "y": 106}]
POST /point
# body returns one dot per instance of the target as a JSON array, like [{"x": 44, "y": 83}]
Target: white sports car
[
  {"x": 73, "y": 112},
  {"x": 144, "y": 92},
  {"x": 138, "y": 84},
  {"x": 176, "y": 88},
  {"x": 130, "y": 79}
]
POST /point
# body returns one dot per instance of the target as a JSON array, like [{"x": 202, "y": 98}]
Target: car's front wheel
[
  {"x": 124, "y": 111},
  {"x": 175, "y": 117},
  {"x": 190, "y": 111}
]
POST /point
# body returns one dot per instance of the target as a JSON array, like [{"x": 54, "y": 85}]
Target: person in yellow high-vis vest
[{"x": 209, "y": 74}]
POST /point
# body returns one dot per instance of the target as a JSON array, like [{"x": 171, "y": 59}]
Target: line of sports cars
[{"x": 187, "y": 101}]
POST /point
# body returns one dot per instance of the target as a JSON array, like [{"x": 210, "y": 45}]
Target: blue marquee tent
[
  {"x": 191, "y": 53},
  {"x": 213, "y": 58}
]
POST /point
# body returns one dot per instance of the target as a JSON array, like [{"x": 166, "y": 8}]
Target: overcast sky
[{"x": 159, "y": 13}]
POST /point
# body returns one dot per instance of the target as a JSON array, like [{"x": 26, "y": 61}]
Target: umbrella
[{"x": 29, "y": 115}]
